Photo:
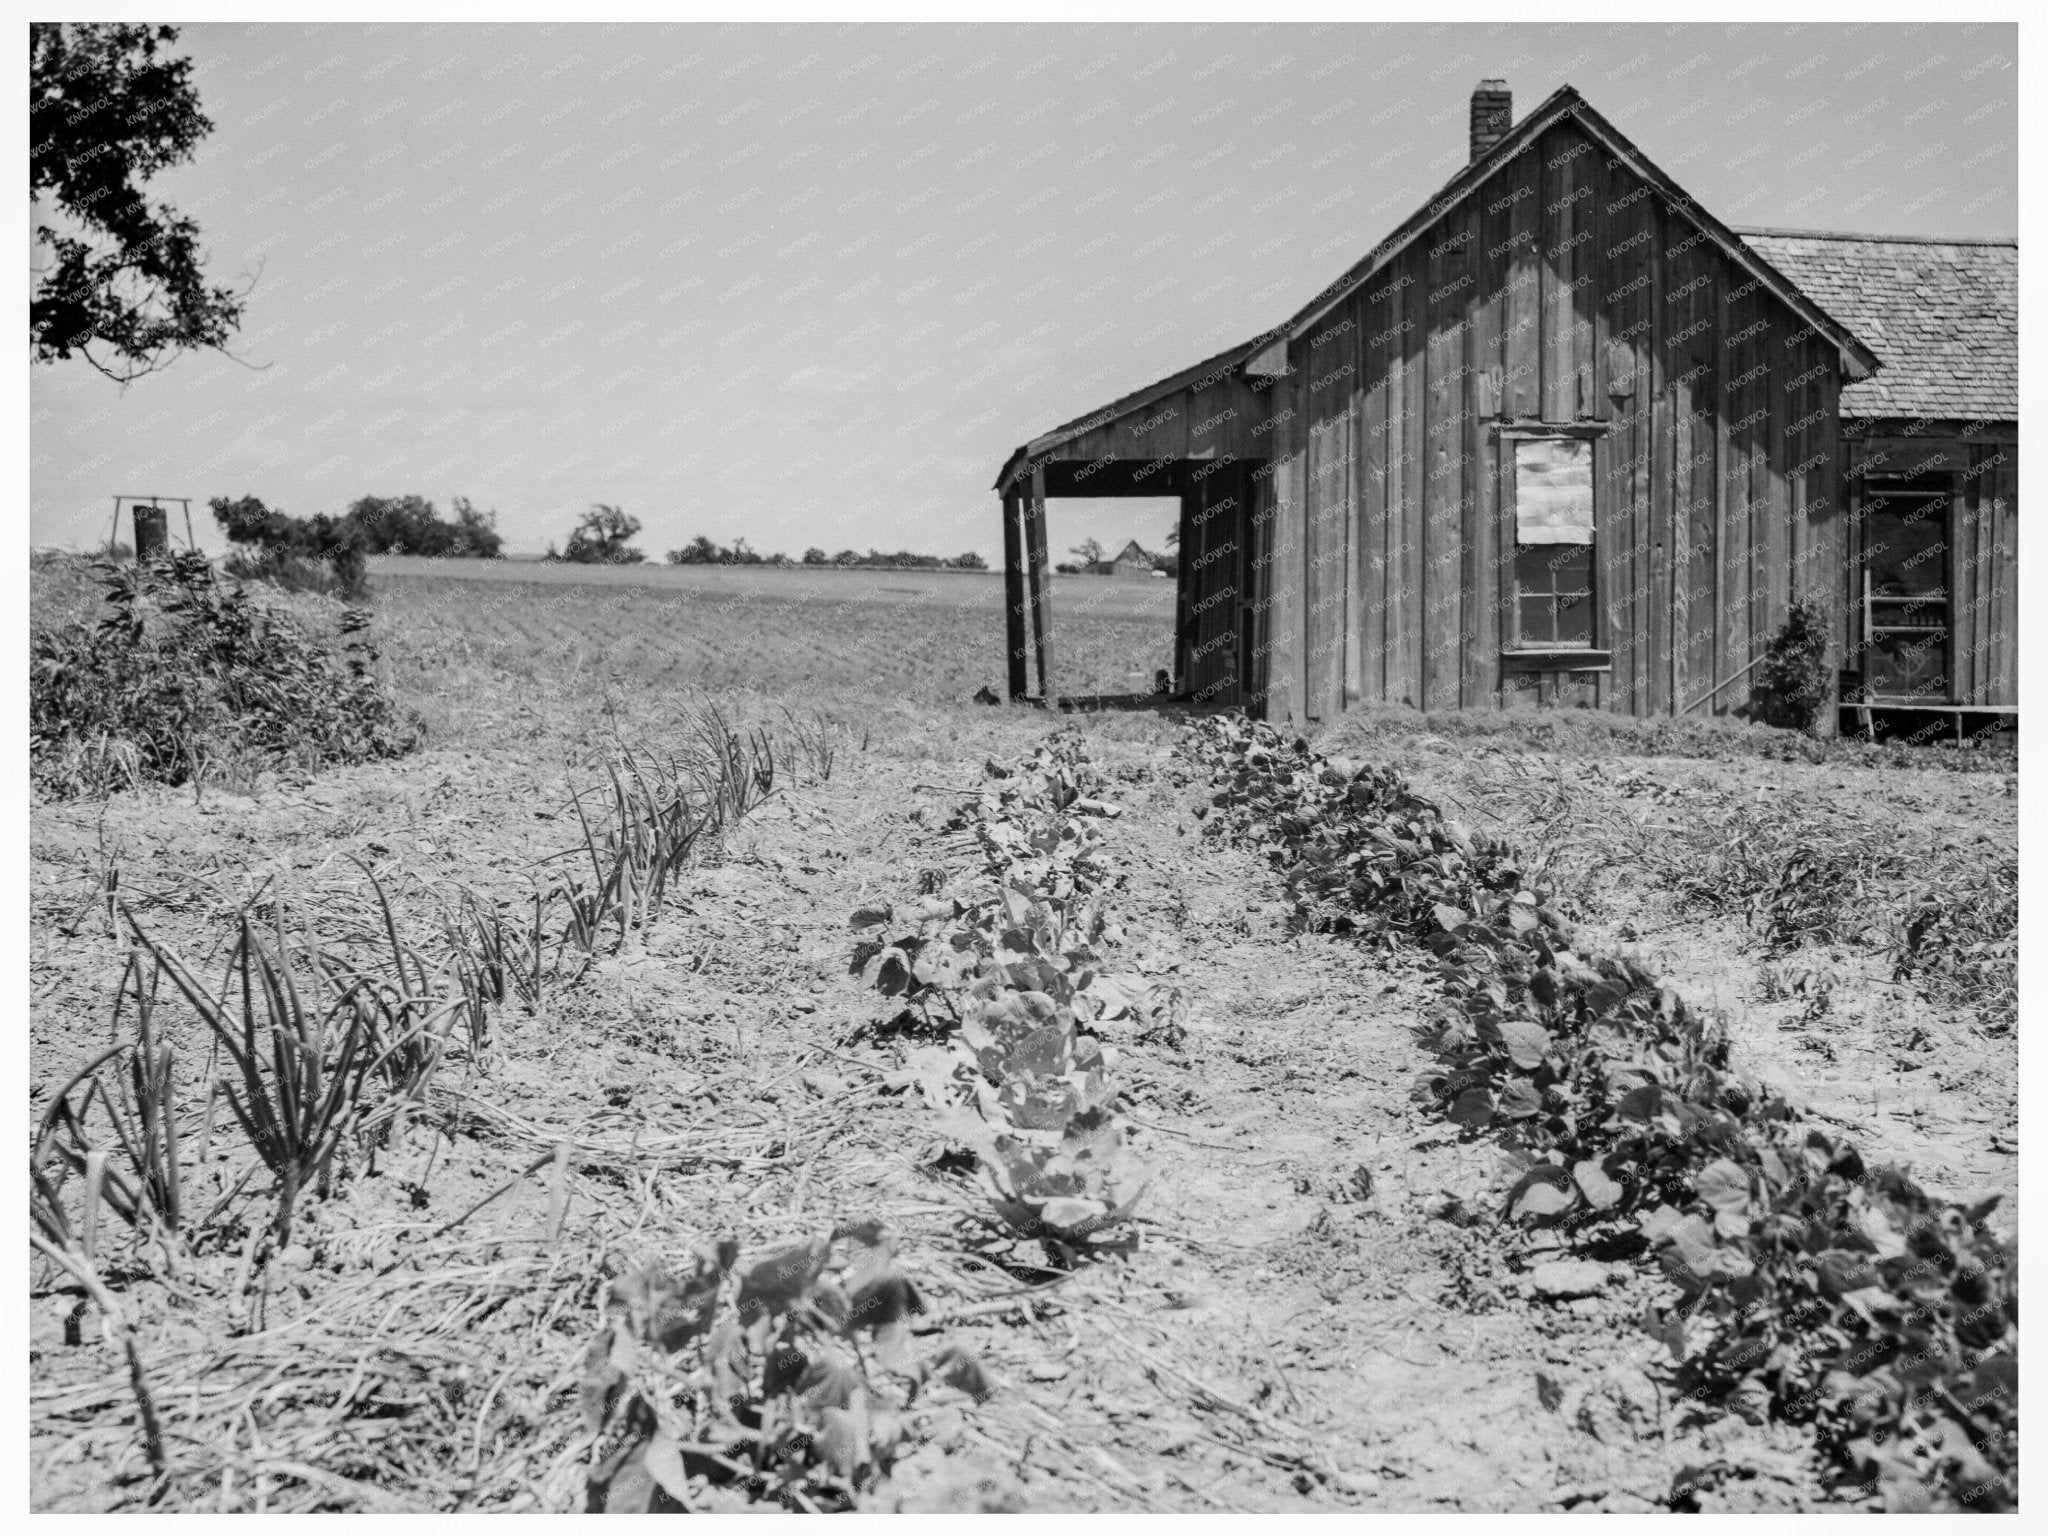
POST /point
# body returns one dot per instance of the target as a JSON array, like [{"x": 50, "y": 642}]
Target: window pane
[
  {"x": 1573, "y": 565},
  {"x": 1539, "y": 624},
  {"x": 1909, "y": 666},
  {"x": 1906, "y": 545},
  {"x": 1575, "y": 620},
  {"x": 1533, "y": 573}
]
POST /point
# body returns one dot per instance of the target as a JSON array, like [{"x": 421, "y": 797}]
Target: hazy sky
[{"x": 811, "y": 284}]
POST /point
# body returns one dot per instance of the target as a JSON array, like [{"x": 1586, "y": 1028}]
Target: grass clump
[
  {"x": 1600, "y": 733},
  {"x": 186, "y": 676}
]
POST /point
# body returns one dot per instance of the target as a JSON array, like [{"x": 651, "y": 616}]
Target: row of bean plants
[
  {"x": 1015, "y": 976},
  {"x": 1809, "y": 1285}
]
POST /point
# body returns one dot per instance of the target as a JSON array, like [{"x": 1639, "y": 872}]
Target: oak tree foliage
[{"x": 116, "y": 278}]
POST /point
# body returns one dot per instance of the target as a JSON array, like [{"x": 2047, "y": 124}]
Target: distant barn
[
  {"x": 1562, "y": 437},
  {"x": 1131, "y": 560}
]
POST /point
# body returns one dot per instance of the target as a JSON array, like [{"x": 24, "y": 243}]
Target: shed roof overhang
[{"x": 1223, "y": 365}]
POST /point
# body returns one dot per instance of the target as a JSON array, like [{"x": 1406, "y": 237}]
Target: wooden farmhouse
[{"x": 1564, "y": 438}]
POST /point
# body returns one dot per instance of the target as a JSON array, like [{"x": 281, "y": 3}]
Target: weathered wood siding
[
  {"x": 1563, "y": 292},
  {"x": 1216, "y": 415}
]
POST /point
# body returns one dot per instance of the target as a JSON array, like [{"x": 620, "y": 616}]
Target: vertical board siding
[
  {"x": 1326, "y": 497},
  {"x": 1778, "y": 553},
  {"x": 1657, "y": 696},
  {"x": 1479, "y": 583},
  {"x": 2003, "y": 487},
  {"x": 1258, "y": 643},
  {"x": 1522, "y": 342},
  {"x": 1707, "y": 267},
  {"x": 1376, "y": 350},
  {"x": 1963, "y": 582},
  {"x": 1590, "y": 335},
  {"x": 1414, "y": 302},
  {"x": 1559, "y": 152},
  {"x": 1757, "y": 471},
  {"x": 1443, "y": 482},
  {"x": 1825, "y": 509},
  {"x": 1284, "y": 571},
  {"x": 1354, "y": 525},
  {"x": 1630, "y": 229}
]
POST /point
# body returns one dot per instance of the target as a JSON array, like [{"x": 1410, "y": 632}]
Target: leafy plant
[
  {"x": 109, "y": 107},
  {"x": 1794, "y": 679},
  {"x": 1830, "y": 1292},
  {"x": 790, "y": 1377},
  {"x": 1018, "y": 976},
  {"x": 185, "y": 674}
]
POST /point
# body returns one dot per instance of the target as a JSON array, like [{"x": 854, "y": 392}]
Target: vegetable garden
[{"x": 632, "y": 1102}]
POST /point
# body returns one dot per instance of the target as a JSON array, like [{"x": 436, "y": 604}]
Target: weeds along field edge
[
  {"x": 322, "y": 1054},
  {"x": 1807, "y": 1285},
  {"x": 186, "y": 677}
]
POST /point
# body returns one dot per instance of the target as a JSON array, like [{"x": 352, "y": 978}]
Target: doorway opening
[
  {"x": 1114, "y": 560},
  {"x": 1128, "y": 637}
]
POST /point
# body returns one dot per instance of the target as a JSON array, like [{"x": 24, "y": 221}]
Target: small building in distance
[
  {"x": 1131, "y": 560},
  {"x": 1565, "y": 438}
]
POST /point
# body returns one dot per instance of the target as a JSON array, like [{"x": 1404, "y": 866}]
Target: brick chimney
[{"x": 1493, "y": 109}]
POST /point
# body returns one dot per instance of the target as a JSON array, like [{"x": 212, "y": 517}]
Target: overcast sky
[{"x": 810, "y": 284}]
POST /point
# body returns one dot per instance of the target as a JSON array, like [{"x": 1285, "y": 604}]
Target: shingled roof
[{"x": 1943, "y": 316}]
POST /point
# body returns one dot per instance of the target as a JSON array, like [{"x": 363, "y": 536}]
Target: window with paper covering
[{"x": 1553, "y": 556}]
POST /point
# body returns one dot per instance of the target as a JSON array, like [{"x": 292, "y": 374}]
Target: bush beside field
[{"x": 176, "y": 674}]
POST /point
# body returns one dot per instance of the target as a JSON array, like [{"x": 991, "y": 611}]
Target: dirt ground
[{"x": 1319, "y": 1312}]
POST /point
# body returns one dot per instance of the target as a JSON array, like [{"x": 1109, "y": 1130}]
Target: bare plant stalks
[
  {"x": 53, "y": 1238},
  {"x": 118, "y": 1329}
]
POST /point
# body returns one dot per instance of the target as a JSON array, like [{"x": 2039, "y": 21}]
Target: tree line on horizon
[
  {"x": 605, "y": 536},
  {"x": 329, "y": 553}
]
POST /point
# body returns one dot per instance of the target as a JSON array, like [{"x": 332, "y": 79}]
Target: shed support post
[
  {"x": 1183, "y": 594},
  {"x": 1013, "y": 595},
  {"x": 1034, "y": 535}
]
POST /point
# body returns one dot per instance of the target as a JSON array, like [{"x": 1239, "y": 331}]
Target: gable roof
[
  {"x": 1857, "y": 359},
  {"x": 1943, "y": 315},
  {"x": 1263, "y": 353}
]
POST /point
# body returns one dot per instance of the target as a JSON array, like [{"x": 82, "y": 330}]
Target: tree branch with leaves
[{"x": 116, "y": 279}]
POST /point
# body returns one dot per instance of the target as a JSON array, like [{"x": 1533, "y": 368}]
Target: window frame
[{"x": 1595, "y": 655}]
